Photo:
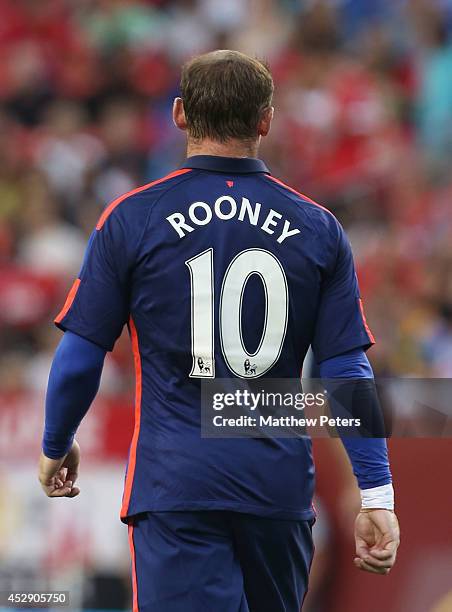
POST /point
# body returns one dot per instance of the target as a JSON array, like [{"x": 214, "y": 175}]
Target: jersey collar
[{"x": 229, "y": 165}]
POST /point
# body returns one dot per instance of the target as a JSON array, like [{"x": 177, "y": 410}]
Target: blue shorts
[{"x": 218, "y": 562}]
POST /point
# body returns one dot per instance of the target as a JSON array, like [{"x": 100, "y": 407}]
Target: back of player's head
[{"x": 225, "y": 94}]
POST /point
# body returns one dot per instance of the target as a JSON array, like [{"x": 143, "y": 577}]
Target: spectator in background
[
  {"x": 434, "y": 104},
  {"x": 48, "y": 243}
]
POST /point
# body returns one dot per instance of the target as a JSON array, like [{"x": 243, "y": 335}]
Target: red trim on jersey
[
  {"x": 297, "y": 193},
  {"x": 69, "y": 300},
  {"x": 136, "y": 431},
  {"x": 134, "y": 570},
  {"x": 370, "y": 334},
  {"x": 110, "y": 208}
]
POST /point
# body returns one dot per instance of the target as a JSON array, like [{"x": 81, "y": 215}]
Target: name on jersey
[{"x": 227, "y": 208}]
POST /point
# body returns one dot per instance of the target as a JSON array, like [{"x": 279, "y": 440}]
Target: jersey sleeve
[
  {"x": 97, "y": 306},
  {"x": 341, "y": 325}
]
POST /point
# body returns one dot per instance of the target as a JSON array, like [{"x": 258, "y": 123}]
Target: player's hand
[
  {"x": 377, "y": 537},
  {"x": 58, "y": 476}
]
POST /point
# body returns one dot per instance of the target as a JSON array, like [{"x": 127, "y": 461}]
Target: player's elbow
[{"x": 77, "y": 362}]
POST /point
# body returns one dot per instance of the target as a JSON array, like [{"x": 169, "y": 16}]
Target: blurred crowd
[{"x": 363, "y": 124}]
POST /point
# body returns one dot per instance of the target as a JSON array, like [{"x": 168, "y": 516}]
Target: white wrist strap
[{"x": 378, "y": 497}]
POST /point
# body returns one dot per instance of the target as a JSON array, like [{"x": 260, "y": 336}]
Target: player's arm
[
  {"x": 73, "y": 383},
  {"x": 92, "y": 318},
  {"x": 376, "y": 528},
  {"x": 340, "y": 339}
]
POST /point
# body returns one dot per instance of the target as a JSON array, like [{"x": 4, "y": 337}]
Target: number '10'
[{"x": 237, "y": 358}]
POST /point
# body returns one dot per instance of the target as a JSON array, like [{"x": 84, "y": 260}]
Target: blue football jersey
[{"x": 219, "y": 270}]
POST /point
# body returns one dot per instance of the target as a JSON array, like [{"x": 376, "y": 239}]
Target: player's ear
[
  {"x": 179, "y": 114},
  {"x": 263, "y": 127}
]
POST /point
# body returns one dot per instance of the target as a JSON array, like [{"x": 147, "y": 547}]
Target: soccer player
[{"x": 218, "y": 270}]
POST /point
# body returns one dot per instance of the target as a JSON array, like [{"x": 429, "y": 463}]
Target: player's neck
[{"x": 231, "y": 148}]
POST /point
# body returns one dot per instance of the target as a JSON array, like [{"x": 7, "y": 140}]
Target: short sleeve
[
  {"x": 341, "y": 325},
  {"x": 97, "y": 306}
]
